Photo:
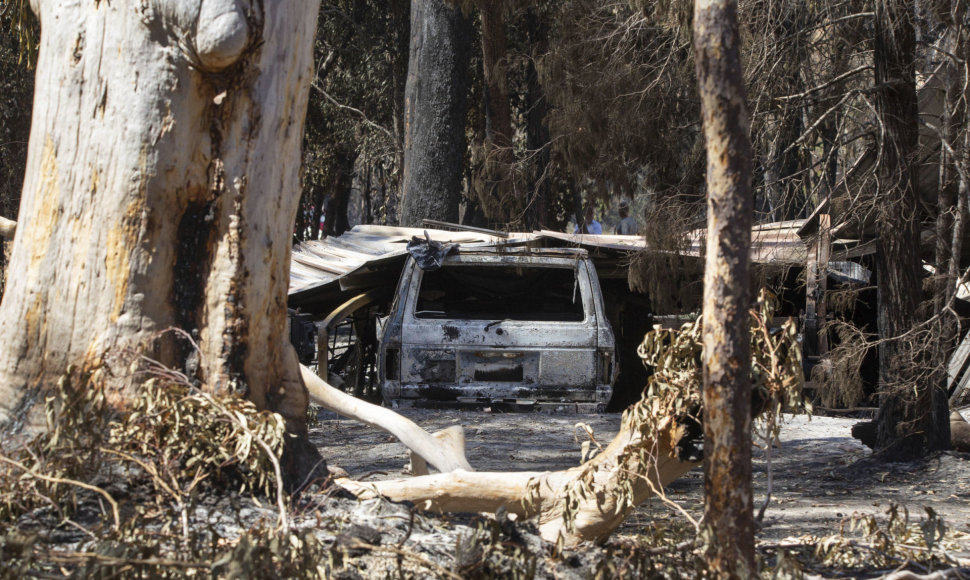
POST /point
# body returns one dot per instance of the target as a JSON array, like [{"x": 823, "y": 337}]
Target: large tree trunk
[
  {"x": 162, "y": 183},
  {"x": 434, "y": 109},
  {"x": 913, "y": 416},
  {"x": 728, "y": 513}
]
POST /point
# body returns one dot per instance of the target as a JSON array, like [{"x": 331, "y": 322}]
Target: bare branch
[
  {"x": 825, "y": 85},
  {"x": 33, "y": 473},
  {"x": 444, "y": 457},
  {"x": 358, "y": 112}
]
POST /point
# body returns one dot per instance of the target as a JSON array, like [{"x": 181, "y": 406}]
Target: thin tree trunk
[
  {"x": 782, "y": 183},
  {"x": 342, "y": 179},
  {"x": 367, "y": 196},
  {"x": 913, "y": 416},
  {"x": 498, "y": 203},
  {"x": 152, "y": 201},
  {"x": 728, "y": 516},
  {"x": 537, "y": 133},
  {"x": 434, "y": 109},
  {"x": 400, "y": 9}
]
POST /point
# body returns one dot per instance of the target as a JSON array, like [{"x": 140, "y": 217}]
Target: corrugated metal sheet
[
  {"x": 317, "y": 262},
  {"x": 327, "y": 270}
]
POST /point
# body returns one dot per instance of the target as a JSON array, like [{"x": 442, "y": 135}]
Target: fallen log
[
  {"x": 446, "y": 452},
  {"x": 583, "y": 503},
  {"x": 656, "y": 444}
]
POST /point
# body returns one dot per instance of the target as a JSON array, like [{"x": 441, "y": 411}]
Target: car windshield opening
[{"x": 501, "y": 292}]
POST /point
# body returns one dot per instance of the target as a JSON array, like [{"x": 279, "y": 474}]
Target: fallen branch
[
  {"x": 64, "y": 481},
  {"x": 583, "y": 503},
  {"x": 445, "y": 457}
]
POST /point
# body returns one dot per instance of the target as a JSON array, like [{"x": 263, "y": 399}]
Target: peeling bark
[
  {"x": 728, "y": 516},
  {"x": 162, "y": 183}
]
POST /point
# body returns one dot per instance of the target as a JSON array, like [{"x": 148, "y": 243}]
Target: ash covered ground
[{"x": 819, "y": 475}]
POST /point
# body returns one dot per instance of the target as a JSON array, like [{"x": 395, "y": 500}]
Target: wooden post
[{"x": 823, "y": 251}]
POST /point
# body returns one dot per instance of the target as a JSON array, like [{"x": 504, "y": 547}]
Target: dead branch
[
  {"x": 33, "y": 473},
  {"x": 827, "y": 84},
  {"x": 358, "y": 112},
  {"x": 583, "y": 503},
  {"x": 446, "y": 458}
]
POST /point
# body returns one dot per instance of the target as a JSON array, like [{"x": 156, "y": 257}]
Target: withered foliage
[
  {"x": 671, "y": 408},
  {"x": 776, "y": 368},
  {"x": 867, "y": 545},
  {"x": 668, "y": 272},
  {"x": 104, "y": 491},
  {"x": 838, "y": 377}
]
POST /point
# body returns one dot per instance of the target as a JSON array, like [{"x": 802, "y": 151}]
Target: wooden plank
[
  {"x": 327, "y": 266},
  {"x": 824, "y": 253}
]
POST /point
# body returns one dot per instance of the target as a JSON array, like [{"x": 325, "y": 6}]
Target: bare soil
[{"x": 819, "y": 476}]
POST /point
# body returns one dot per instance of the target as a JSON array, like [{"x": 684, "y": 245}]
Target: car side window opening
[{"x": 492, "y": 292}]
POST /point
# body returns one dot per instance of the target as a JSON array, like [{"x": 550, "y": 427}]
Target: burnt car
[{"x": 499, "y": 326}]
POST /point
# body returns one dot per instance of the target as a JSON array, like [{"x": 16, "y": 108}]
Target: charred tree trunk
[
  {"x": 913, "y": 416},
  {"x": 497, "y": 198},
  {"x": 728, "y": 513},
  {"x": 342, "y": 178},
  {"x": 949, "y": 210},
  {"x": 434, "y": 110},
  {"x": 151, "y": 200}
]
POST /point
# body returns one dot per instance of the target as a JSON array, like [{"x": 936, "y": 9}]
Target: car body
[{"x": 499, "y": 326}]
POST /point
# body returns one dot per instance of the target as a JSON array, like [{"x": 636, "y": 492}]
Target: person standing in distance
[
  {"x": 628, "y": 225},
  {"x": 589, "y": 225}
]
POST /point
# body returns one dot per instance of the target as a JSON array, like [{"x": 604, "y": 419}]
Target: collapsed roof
[{"x": 325, "y": 273}]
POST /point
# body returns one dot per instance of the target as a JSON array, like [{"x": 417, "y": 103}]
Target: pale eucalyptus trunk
[{"x": 161, "y": 188}]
